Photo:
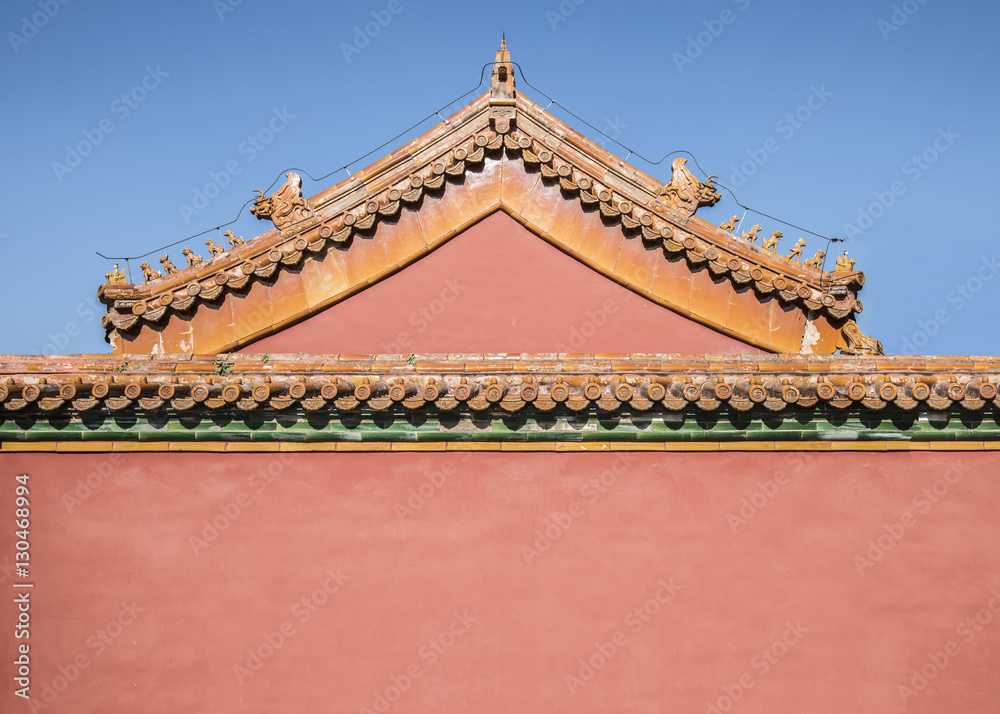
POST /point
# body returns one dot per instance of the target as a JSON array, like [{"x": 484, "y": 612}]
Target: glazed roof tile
[
  {"x": 454, "y": 161},
  {"x": 491, "y": 387}
]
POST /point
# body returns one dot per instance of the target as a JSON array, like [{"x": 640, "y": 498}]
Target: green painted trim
[{"x": 535, "y": 426}]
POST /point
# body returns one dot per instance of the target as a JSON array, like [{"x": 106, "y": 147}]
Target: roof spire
[{"x": 502, "y": 94}]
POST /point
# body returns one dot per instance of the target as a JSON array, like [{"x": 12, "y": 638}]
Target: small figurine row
[
  {"x": 771, "y": 246},
  {"x": 118, "y": 277}
]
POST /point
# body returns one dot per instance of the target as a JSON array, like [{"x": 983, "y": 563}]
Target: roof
[
  {"x": 321, "y": 402},
  {"x": 633, "y": 401},
  {"x": 504, "y": 153},
  {"x": 500, "y": 153}
]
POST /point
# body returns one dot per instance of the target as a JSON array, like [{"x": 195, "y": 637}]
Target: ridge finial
[{"x": 502, "y": 94}]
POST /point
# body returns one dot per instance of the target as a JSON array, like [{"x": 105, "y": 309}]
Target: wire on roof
[{"x": 482, "y": 74}]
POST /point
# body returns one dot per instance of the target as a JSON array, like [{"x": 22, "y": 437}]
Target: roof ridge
[{"x": 492, "y": 123}]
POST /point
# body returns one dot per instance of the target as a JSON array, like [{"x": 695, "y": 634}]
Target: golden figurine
[
  {"x": 233, "y": 239},
  {"x": 816, "y": 261},
  {"x": 286, "y": 206},
  {"x": 797, "y": 250},
  {"x": 148, "y": 272},
  {"x": 859, "y": 343},
  {"x": 167, "y": 265},
  {"x": 845, "y": 263},
  {"x": 771, "y": 244},
  {"x": 116, "y": 276},
  {"x": 751, "y": 235},
  {"x": 730, "y": 225},
  {"x": 192, "y": 259},
  {"x": 684, "y": 192},
  {"x": 213, "y": 248}
]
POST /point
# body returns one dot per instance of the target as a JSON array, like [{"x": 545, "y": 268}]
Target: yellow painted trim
[
  {"x": 527, "y": 446},
  {"x": 957, "y": 446},
  {"x": 364, "y": 446},
  {"x": 195, "y": 445},
  {"x": 637, "y": 446},
  {"x": 28, "y": 446},
  {"x": 300, "y": 446},
  {"x": 692, "y": 445},
  {"x": 859, "y": 446},
  {"x": 473, "y": 445},
  {"x": 419, "y": 446},
  {"x": 85, "y": 446},
  {"x": 746, "y": 446},
  {"x": 802, "y": 446},
  {"x": 908, "y": 446},
  {"x": 583, "y": 446},
  {"x": 267, "y": 446},
  {"x": 136, "y": 446},
  {"x": 77, "y": 447}
]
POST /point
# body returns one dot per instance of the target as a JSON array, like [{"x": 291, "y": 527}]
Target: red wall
[
  {"x": 661, "y": 522},
  {"x": 497, "y": 287}
]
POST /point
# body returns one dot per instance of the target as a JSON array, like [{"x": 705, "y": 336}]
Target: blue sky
[{"x": 870, "y": 120}]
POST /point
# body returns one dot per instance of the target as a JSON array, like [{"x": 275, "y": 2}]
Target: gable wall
[
  {"x": 497, "y": 287},
  {"x": 301, "y": 290}
]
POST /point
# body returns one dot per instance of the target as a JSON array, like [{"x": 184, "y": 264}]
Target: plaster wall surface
[
  {"x": 497, "y": 287},
  {"x": 498, "y": 582}
]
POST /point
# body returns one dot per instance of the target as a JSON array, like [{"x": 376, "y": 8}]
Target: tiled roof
[
  {"x": 501, "y": 152},
  {"x": 499, "y": 397}
]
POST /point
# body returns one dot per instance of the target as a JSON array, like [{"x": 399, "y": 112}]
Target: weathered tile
[
  {"x": 672, "y": 281},
  {"x": 540, "y": 208},
  {"x": 570, "y": 223},
  {"x": 516, "y": 184},
  {"x": 322, "y": 278},
  {"x": 600, "y": 244},
  {"x": 636, "y": 263},
  {"x": 484, "y": 184},
  {"x": 748, "y": 314},
  {"x": 709, "y": 299}
]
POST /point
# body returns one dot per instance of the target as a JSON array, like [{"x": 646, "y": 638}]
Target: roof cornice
[
  {"x": 584, "y": 172},
  {"x": 491, "y": 387}
]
